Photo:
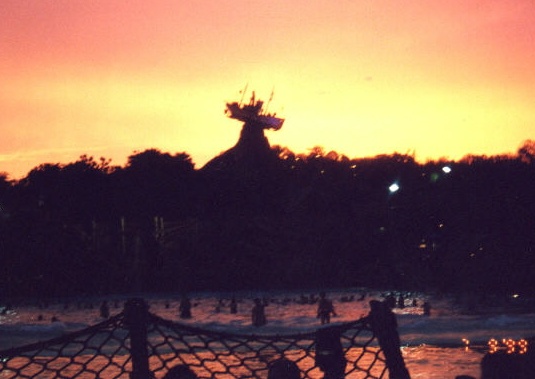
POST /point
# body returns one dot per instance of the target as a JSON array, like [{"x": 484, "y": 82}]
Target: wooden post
[
  {"x": 136, "y": 318},
  {"x": 384, "y": 325}
]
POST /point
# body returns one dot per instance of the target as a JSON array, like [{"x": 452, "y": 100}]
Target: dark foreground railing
[{"x": 137, "y": 344}]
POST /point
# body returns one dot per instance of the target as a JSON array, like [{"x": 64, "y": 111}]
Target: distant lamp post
[
  {"x": 390, "y": 257},
  {"x": 393, "y": 188},
  {"x": 446, "y": 169}
]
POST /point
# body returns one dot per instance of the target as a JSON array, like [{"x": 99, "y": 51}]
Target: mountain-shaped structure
[{"x": 252, "y": 151}]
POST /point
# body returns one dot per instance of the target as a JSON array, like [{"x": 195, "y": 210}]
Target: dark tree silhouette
[{"x": 258, "y": 217}]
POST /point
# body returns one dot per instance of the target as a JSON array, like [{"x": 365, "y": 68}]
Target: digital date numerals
[{"x": 509, "y": 345}]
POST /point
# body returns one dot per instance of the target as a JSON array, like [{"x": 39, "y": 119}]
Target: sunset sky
[{"x": 362, "y": 77}]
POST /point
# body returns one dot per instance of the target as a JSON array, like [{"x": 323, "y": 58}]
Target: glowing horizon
[{"x": 360, "y": 78}]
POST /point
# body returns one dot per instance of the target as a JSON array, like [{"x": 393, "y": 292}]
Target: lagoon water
[{"x": 449, "y": 342}]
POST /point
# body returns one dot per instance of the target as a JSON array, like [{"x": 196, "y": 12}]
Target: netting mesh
[
  {"x": 224, "y": 355},
  {"x": 100, "y": 351},
  {"x": 105, "y": 351}
]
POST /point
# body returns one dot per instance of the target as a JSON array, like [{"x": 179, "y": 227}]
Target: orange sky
[{"x": 107, "y": 78}]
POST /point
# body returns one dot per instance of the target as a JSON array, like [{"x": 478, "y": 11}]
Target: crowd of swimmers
[
  {"x": 104, "y": 309},
  {"x": 401, "y": 302},
  {"x": 493, "y": 366},
  {"x": 325, "y": 307}
]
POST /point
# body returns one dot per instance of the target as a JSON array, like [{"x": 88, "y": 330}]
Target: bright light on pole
[{"x": 394, "y": 187}]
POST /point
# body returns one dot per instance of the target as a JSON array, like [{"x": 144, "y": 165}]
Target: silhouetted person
[
  {"x": 104, "y": 310},
  {"x": 258, "y": 314},
  {"x": 330, "y": 356},
  {"x": 185, "y": 307},
  {"x": 390, "y": 301},
  {"x": 501, "y": 365},
  {"x": 180, "y": 372},
  {"x": 427, "y": 309},
  {"x": 284, "y": 369},
  {"x": 325, "y": 309},
  {"x": 401, "y": 301},
  {"x": 220, "y": 304},
  {"x": 233, "y": 306}
]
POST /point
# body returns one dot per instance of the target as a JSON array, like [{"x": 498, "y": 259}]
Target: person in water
[
  {"x": 233, "y": 306},
  {"x": 284, "y": 369},
  {"x": 427, "y": 309},
  {"x": 185, "y": 307},
  {"x": 104, "y": 310},
  {"x": 180, "y": 372},
  {"x": 325, "y": 309},
  {"x": 258, "y": 314}
]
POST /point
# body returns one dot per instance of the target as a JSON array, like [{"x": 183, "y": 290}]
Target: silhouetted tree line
[{"x": 316, "y": 219}]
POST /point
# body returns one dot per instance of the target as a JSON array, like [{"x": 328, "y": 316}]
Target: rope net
[
  {"x": 104, "y": 351},
  {"x": 222, "y": 355},
  {"x": 100, "y": 351}
]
